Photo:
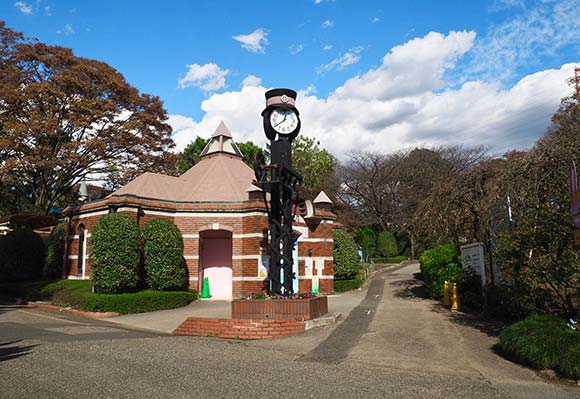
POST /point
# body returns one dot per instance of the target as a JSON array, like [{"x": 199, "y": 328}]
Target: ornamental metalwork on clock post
[{"x": 280, "y": 181}]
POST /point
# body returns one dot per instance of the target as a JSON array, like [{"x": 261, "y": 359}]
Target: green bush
[
  {"x": 387, "y": 244},
  {"x": 163, "y": 255},
  {"x": 22, "y": 255},
  {"x": 347, "y": 285},
  {"x": 393, "y": 259},
  {"x": 138, "y": 302},
  {"x": 54, "y": 253},
  {"x": 115, "y": 254},
  {"x": 438, "y": 265},
  {"x": 366, "y": 238},
  {"x": 78, "y": 294},
  {"x": 346, "y": 259},
  {"x": 543, "y": 342}
]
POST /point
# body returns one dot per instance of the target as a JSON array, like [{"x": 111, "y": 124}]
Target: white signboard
[
  {"x": 319, "y": 264},
  {"x": 308, "y": 267},
  {"x": 472, "y": 258}
]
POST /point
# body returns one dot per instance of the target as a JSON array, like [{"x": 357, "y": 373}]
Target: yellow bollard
[
  {"x": 455, "y": 305},
  {"x": 446, "y": 298}
]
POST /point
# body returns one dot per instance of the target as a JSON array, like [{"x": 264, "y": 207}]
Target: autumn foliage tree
[{"x": 65, "y": 118}]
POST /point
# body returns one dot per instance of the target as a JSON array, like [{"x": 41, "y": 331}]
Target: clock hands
[{"x": 285, "y": 116}]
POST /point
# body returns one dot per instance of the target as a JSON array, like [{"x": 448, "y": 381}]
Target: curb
[
  {"x": 74, "y": 312},
  {"x": 322, "y": 321}
]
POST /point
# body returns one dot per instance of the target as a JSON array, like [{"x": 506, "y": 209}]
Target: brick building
[{"x": 222, "y": 218}]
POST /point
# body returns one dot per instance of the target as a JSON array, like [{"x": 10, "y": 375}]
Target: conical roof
[{"x": 221, "y": 141}]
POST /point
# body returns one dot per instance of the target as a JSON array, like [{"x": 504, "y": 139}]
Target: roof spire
[{"x": 221, "y": 142}]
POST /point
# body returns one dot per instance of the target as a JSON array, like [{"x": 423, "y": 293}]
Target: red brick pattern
[
  {"x": 280, "y": 309},
  {"x": 238, "y": 329}
]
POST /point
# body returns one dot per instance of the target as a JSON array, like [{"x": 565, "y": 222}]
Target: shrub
[
  {"x": 346, "y": 260},
  {"x": 115, "y": 254},
  {"x": 438, "y": 265},
  {"x": 54, "y": 253},
  {"x": 138, "y": 302},
  {"x": 22, "y": 255},
  {"x": 393, "y": 259},
  {"x": 543, "y": 342},
  {"x": 366, "y": 238},
  {"x": 163, "y": 255},
  {"x": 387, "y": 244},
  {"x": 347, "y": 285}
]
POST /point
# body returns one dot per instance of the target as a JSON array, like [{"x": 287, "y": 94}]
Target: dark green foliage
[
  {"x": 249, "y": 150},
  {"x": 387, "y": 245},
  {"x": 77, "y": 294},
  {"x": 366, "y": 238},
  {"x": 346, "y": 260},
  {"x": 471, "y": 291},
  {"x": 347, "y": 285},
  {"x": 138, "y": 302},
  {"x": 163, "y": 255},
  {"x": 115, "y": 254},
  {"x": 543, "y": 342},
  {"x": 191, "y": 154},
  {"x": 54, "y": 253},
  {"x": 393, "y": 259},
  {"x": 438, "y": 265},
  {"x": 22, "y": 255}
]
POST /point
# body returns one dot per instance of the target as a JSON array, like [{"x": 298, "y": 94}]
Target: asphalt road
[{"x": 395, "y": 344}]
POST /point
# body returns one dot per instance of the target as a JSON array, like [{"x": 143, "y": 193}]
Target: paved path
[{"x": 393, "y": 344}]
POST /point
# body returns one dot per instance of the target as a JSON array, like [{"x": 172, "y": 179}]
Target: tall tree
[
  {"x": 65, "y": 118},
  {"x": 316, "y": 165}
]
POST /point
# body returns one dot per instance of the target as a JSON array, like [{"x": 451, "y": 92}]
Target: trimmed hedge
[
  {"x": 138, "y": 302},
  {"x": 346, "y": 259},
  {"x": 54, "y": 253},
  {"x": 438, "y": 265},
  {"x": 543, "y": 342},
  {"x": 115, "y": 254},
  {"x": 22, "y": 255},
  {"x": 393, "y": 259},
  {"x": 77, "y": 294},
  {"x": 347, "y": 285},
  {"x": 163, "y": 255}
]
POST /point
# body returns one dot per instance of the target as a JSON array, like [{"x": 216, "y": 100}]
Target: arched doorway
[{"x": 215, "y": 258}]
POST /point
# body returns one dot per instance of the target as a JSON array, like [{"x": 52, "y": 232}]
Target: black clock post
[{"x": 280, "y": 180}]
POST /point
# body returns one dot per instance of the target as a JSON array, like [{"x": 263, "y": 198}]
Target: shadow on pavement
[
  {"x": 411, "y": 289},
  {"x": 490, "y": 327},
  {"x": 8, "y": 351}
]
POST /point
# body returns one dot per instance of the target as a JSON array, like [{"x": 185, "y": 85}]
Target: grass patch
[
  {"x": 543, "y": 342},
  {"x": 347, "y": 285},
  {"x": 392, "y": 259},
  {"x": 78, "y": 295}
]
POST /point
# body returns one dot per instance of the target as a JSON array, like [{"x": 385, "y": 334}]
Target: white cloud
[
  {"x": 47, "y": 11},
  {"x": 327, "y": 47},
  {"x": 295, "y": 48},
  {"x": 536, "y": 32},
  {"x": 413, "y": 68},
  {"x": 375, "y": 20},
  {"x": 66, "y": 30},
  {"x": 404, "y": 102},
  {"x": 252, "y": 80},
  {"x": 208, "y": 77},
  {"x": 24, "y": 8},
  {"x": 254, "y": 42},
  {"x": 327, "y": 24},
  {"x": 351, "y": 57}
]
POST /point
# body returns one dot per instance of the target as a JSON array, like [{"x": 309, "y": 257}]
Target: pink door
[{"x": 216, "y": 263}]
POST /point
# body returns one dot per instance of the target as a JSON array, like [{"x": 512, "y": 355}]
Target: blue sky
[{"x": 373, "y": 75}]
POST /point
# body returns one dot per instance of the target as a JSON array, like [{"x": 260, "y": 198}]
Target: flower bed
[{"x": 300, "y": 309}]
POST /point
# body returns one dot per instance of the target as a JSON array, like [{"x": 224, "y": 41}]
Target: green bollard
[{"x": 205, "y": 289}]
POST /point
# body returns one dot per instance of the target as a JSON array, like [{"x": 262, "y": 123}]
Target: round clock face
[{"x": 283, "y": 121}]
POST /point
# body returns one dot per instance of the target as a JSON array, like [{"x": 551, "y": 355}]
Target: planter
[{"x": 280, "y": 309}]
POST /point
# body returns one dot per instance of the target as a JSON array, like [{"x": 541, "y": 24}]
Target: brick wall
[{"x": 238, "y": 329}]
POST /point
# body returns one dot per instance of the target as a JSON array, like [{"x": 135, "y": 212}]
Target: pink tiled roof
[{"x": 218, "y": 177}]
